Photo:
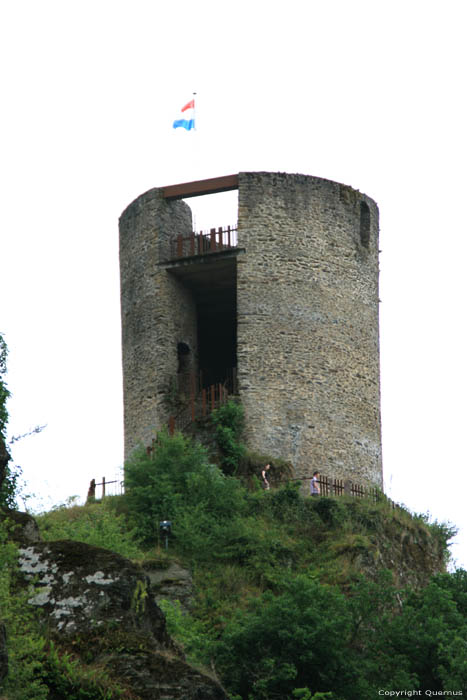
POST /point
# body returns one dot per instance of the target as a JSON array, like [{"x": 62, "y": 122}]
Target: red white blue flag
[{"x": 188, "y": 119}]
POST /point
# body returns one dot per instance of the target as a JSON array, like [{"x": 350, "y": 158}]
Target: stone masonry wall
[
  {"x": 157, "y": 313},
  {"x": 308, "y": 347}
]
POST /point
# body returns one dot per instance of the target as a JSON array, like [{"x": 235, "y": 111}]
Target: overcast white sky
[{"x": 367, "y": 93}]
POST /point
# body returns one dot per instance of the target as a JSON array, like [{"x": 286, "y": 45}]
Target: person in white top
[{"x": 314, "y": 486}]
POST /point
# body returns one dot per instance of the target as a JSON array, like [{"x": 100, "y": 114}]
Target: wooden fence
[
  {"x": 108, "y": 488},
  {"x": 344, "y": 487},
  {"x": 328, "y": 486}
]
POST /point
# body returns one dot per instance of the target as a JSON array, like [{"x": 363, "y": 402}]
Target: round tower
[
  {"x": 308, "y": 332},
  {"x": 290, "y": 303}
]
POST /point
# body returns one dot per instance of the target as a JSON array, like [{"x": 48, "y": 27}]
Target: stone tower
[{"x": 290, "y": 300}]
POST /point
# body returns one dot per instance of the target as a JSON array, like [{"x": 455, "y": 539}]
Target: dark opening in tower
[
  {"x": 217, "y": 330},
  {"x": 365, "y": 224},
  {"x": 212, "y": 283}
]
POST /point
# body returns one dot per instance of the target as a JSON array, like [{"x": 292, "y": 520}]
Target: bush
[
  {"x": 25, "y": 644},
  {"x": 229, "y": 422},
  {"x": 95, "y": 523},
  {"x": 313, "y": 638},
  {"x": 177, "y": 482},
  {"x": 293, "y": 640},
  {"x": 252, "y": 464}
]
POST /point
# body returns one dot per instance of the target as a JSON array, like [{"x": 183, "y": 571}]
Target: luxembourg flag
[{"x": 188, "y": 121}]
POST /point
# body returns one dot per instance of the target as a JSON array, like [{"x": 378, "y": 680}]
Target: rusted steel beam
[{"x": 199, "y": 187}]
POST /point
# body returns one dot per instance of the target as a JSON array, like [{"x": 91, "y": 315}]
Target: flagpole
[{"x": 195, "y": 154}]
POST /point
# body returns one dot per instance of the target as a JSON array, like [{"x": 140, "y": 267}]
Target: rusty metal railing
[
  {"x": 203, "y": 243},
  {"x": 199, "y": 406}
]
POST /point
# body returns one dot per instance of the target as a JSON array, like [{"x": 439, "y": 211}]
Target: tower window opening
[
  {"x": 183, "y": 354},
  {"x": 364, "y": 224}
]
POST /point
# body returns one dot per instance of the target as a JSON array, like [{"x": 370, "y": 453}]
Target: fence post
[
  {"x": 213, "y": 239},
  {"x": 91, "y": 497},
  {"x": 347, "y": 487},
  {"x": 171, "y": 425},
  {"x": 103, "y": 487}
]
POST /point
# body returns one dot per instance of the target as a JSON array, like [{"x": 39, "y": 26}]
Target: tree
[
  {"x": 7, "y": 479},
  {"x": 295, "y": 640}
]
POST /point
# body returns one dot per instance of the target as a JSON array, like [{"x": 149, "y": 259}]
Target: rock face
[
  {"x": 24, "y": 528},
  {"x": 99, "y": 604},
  {"x": 172, "y": 583}
]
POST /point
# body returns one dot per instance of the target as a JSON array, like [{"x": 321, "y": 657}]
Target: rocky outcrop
[
  {"x": 23, "y": 528},
  {"x": 99, "y": 604},
  {"x": 171, "y": 582}
]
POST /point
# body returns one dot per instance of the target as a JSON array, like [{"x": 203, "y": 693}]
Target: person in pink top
[{"x": 265, "y": 480}]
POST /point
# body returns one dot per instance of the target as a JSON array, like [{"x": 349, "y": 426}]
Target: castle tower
[{"x": 290, "y": 300}]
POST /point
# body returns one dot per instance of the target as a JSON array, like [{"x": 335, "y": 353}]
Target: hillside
[{"x": 266, "y": 594}]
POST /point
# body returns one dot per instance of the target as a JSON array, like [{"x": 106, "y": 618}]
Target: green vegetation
[
  {"x": 97, "y": 523},
  {"x": 8, "y": 476},
  {"x": 229, "y": 423},
  {"x": 281, "y": 606},
  {"x": 294, "y": 597},
  {"x": 25, "y": 644},
  {"x": 4, "y": 393},
  {"x": 37, "y": 669},
  {"x": 235, "y": 459}
]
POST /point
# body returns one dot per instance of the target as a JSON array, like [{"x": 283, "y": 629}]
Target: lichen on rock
[{"x": 98, "y": 605}]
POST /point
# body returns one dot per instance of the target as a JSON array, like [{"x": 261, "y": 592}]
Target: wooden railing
[
  {"x": 116, "y": 488},
  {"x": 343, "y": 487},
  {"x": 202, "y": 243}
]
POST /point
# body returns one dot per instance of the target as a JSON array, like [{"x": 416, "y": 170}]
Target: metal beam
[{"x": 199, "y": 187}]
